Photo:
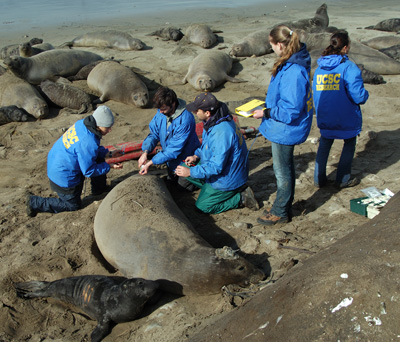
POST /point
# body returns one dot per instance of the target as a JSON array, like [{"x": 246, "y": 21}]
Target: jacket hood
[
  {"x": 90, "y": 123},
  {"x": 221, "y": 114},
  {"x": 302, "y": 57},
  {"x": 332, "y": 61}
]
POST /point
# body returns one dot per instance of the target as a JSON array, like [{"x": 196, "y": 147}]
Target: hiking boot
[
  {"x": 351, "y": 182},
  {"x": 248, "y": 200},
  {"x": 270, "y": 220},
  {"x": 29, "y": 211}
]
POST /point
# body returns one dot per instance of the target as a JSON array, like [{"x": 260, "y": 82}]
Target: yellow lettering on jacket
[
  {"x": 70, "y": 137},
  {"x": 328, "y": 82}
]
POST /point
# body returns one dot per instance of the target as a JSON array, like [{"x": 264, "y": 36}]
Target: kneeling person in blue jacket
[
  {"x": 220, "y": 165},
  {"x": 74, "y": 156}
]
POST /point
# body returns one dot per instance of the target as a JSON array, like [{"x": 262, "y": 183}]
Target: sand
[{"x": 49, "y": 247}]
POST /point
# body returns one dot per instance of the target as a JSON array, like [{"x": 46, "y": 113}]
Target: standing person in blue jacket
[
  {"x": 220, "y": 165},
  {"x": 74, "y": 156},
  {"x": 338, "y": 91},
  {"x": 175, "y": 128},
  {"x": 287, "y": 119}
]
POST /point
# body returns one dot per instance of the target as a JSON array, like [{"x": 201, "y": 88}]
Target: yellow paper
[{"x": 248, "y": 108}]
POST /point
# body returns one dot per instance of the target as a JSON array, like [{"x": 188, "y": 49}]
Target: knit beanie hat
[{"x": 103, "y": 117}]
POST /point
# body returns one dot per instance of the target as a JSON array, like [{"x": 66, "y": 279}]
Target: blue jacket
[
  {"x": 290, "y": 100},
  {"x": 178, "y": 141},
  {"x": 223, "y": 155},
  {"x": 73, "y": 156},
  {"x": 338, "y": 91}
]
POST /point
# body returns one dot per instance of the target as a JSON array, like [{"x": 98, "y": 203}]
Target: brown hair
[
  {"x": 164, "y": 96},
  {"x": 288, "y": 38},
  {"x": 338, "y": 41}
]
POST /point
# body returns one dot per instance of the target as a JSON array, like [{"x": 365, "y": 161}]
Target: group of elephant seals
[
  {"x": 109, "y": 300},
  {"x": 117, "y": 82},
  {"x": 17, "y": 92},
  {"x": 66, "y": 95},
  {"x": 48, "y": 64},
  {"x": 140, "y": 230},
  {"x": 209, "y": 70},
  {"x": 168, "y": 33},
  {"x": 200, "y": 34},
  {"x": 13, "y": 49},
  {"x": 12, "y": 114},
  {"x": 108, "y": 39},
  {"x": 389, "y": 25}
]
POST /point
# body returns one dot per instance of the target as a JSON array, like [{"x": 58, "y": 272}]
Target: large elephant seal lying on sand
[
  {"x": 141, "y": 231},
  {"x": 200, "y": 34},
  {"x": 209, "y": 70},
  {"x": 17, "y": 92},
  {"x": 108, "y": 39},
  {"x": 119, "y": 83},
  {"x": 106, "y": 299},
  {"x": 254, "y": 44},
  {"x": 390, "y": 25},
  {"x": 48, "y": 64}
]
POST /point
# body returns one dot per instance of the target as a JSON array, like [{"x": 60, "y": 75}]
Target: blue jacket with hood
[
  {"x": 223, "y": 153},
  {"x": 178, "y": 138},
  {"x": 289, "y": 98},
  {"x": 338, "y": 91},
  {"x": 73, "y": 156}
]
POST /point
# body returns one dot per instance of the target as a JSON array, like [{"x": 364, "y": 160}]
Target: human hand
[
  {"x": 144, "y": 169},
  {"x": 182, "y": 171},
  {"x": 116, "y": 165},
  {"x": 189, "y": 161},
  {"x": 143, "y": 159},
  {"x": 258, "y": 114}
]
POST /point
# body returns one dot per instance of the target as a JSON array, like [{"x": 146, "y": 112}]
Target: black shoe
[
  {"x": 351, "y": 182},
  {"x": 29, "y": 211},
  {"x": 248, "y": 199}
]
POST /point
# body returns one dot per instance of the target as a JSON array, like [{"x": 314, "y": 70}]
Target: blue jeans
[
  {"x": 343, "y": 173},
  {"x": 283, "y": 163},
  {"x": 69, "y": 199}
]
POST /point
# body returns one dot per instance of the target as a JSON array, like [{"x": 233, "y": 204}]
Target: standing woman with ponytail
[
  {"x": 286, "y": 121},
  {"x": 338, "y": 90}
]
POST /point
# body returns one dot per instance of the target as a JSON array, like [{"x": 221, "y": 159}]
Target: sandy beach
[{"x": 49, "y": 247}]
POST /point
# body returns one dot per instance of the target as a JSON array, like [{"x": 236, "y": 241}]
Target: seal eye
[{"x": 241, "y": 268}]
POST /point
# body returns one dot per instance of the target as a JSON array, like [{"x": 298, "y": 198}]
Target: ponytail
[
  {"x": 338, "y": 41},
  {"x": 290, "y": 39}
]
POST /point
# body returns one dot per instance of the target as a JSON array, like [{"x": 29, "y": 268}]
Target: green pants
[{"x": 212, "y": 201}]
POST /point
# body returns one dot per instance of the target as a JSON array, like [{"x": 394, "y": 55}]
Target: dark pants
[{"x": 69, "y": 199}]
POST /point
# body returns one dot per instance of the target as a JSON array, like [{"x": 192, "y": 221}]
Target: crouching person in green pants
[{"x": 219, "y": 167}]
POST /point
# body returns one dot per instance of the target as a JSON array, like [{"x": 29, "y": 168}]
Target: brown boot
[{"x": 270, "y": 219}]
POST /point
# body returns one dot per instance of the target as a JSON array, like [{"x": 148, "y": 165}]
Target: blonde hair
[{"x": 289, "y": 39}]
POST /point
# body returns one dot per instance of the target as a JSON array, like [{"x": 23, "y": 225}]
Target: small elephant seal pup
[
  {"x": 67, "y": 96},
  {"x": 109, "y": 300},
  {"x": 112, "y": 39},
  {"x": 168, "y": 33},
  {"x": 117, "y": 82},
  {"x": 209, "y": 70},
  {"x": 17, "y": 92},
  {"x": 254, "y": 44},
  {"x": 12, "y": 114},
  {"x": 389, "y": 25},
  {"x": 13, "y": 49},
  {"x": 144, "y": 234},
  {"x": 29, "y": 50},
  {"x": 48, "y": 64},
  {"x": 200, "y": 34}
]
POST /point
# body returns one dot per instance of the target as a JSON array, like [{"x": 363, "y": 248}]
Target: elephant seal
[
  {"x": 143, "y": 233},
  {"x": 209, "y": 70},
  {"x": 118, "y": 83},
  {"x": 168, "y": 33},
  {"x": 112, "y": 39},
  {"x": 393, "y": 52},
  {"x": 254, "y": 44},
  {"x": 84, "y": 72},
  {"x": 319, "y": 22},
  {"x": 369, "y": 76},
  {"x": 12, "y": 114},
  {"x": 66, "y": 95},
  {"x": 389, "y": 25},
  {"x": 48, "y": 64},
  {"x": 29, "y": 50},
  {"x": 17, "y": 92},
  {"x": 13, "y": 49},
  {"x": 200, "y": 34},
  {"x": 382, "y": 42},
  {"x": 109, "y": 300}
]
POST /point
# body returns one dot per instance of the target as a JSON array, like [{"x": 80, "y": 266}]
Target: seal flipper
[
  {"x": 31, "y": 289},
  {"x": 102, "y": 329}
]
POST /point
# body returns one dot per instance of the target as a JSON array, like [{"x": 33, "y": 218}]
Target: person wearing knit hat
[
  {"x": 75, "y": 155},
  {"x": 220, "y": 166}
]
